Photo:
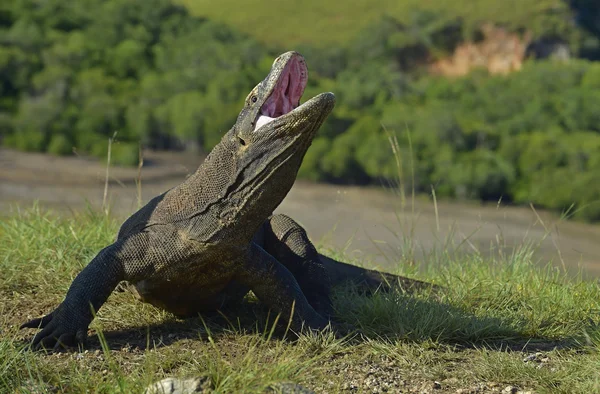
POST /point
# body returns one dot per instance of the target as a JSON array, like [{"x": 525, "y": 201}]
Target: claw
[
  {"x": 47, "y": 342},
  {"x": 42, "y": 335},
  {"x": 81, "y": 336},
  {"x": 63, "y": 342},
  {"x": 40, "y": 322}
]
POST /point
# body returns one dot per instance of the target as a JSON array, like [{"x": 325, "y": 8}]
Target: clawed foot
[{"x": 59, "y": 330}]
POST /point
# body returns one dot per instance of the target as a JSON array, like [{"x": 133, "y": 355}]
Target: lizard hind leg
[
  {"x": 275, "y": 286},
  {"x": 287, "y": 241}
]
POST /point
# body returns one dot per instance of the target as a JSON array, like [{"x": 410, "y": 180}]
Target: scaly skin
[{"x": 207, "y": 242}]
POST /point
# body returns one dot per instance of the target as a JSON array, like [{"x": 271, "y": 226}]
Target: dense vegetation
[
  {"x": 74, "y": 73},
  {"x": 531, "y": 136}
]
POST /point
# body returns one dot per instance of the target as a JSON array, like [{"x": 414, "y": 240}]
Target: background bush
[{"x": 74, "y": 73}]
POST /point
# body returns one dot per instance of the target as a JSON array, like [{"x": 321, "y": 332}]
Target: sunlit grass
[{"x": 490, "y": 315}]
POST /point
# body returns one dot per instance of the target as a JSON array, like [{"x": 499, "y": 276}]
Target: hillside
[{"x": 326, "y": 23}]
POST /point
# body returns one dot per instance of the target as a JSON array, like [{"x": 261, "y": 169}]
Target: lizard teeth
[{"x": 262, "y": 120}]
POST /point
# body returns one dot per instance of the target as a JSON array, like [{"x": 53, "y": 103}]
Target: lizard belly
[
  {"x": 186, "y": 292},
  {"x": 181, "y": 299},
  {"x": 194, "y": 277}
]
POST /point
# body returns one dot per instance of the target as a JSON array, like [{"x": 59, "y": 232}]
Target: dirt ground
[{"x": 363, "y": 221}]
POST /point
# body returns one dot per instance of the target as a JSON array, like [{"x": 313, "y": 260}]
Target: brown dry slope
[{"x": 366, "y": 217}]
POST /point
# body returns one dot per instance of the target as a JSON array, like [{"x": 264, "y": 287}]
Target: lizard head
[
  {"x": 277, "y": 99},
  {"x": 271, "y": 136}
]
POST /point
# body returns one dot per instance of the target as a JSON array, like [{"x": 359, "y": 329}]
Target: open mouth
[{"x": 286, "y": 95}]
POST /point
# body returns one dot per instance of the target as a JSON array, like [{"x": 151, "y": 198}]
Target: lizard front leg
[
  {"x": 275, "y": 286},
  {"x": 67, "y": 325}
]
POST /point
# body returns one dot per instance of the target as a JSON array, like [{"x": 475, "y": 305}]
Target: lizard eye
[
  {"x": 242, "y": 141},
  {"x": 254, "y": 99}
]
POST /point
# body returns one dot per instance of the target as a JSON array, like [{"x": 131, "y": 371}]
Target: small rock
[
  {"x": 509, "y": 390},
  {"x": 437, "y": 385},
  {"x": 536, "y": 357},
  {"x": 288, "y": 388},
  {"x": 529, "y": 358},
  {"x": 175, "y": 386}
]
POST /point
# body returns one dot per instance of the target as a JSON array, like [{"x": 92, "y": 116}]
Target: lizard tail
[{"x": 370, "y": 280}]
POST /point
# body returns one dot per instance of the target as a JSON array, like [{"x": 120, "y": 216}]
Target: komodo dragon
[{"x": 207, "y": 242}]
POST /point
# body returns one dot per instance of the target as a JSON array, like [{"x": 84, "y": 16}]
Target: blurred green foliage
[
  {"x": 74, "y": 73},
  {"x": 531, "y": 136},
  {"x": 326, "y": 23}
]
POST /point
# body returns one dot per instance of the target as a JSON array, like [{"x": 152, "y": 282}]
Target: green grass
[
  {"x": 497, "y": 322},
  {"x": 326, "y": 23}
]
